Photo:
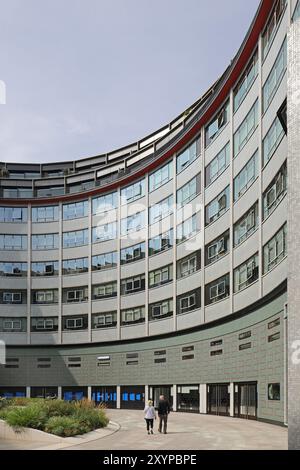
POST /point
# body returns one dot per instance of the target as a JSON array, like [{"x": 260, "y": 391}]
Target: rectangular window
[
  {"x": 161, "y": 242},
  {"x": 105, "y": 261},
  {"x": 217, "y": 248},
  {"x": 160, "y": 276},
  {"x": 246, "y": 81},
  {"x": 274, "y": 337},
  {"x": 244, "y": 227},
  {"x": 133, "y": 192},
  {"x": 218, "y": 352},
  {"x": 12, "y": 325},
  {"x": 75, "y": 238},
  {"x": 13, "y": 269},
  {"x": 217, "y": 207},
  {"x": 104, "y": 320},
  {"x": 272, "y": 83},
  {"x": 270, "y": 30},
  {"x": 161, "y": 309},
  {"x": 75, "y": 266},
  {"x": 133, "y": 253},
  {"x": 12, "y": 297},
  {"x": 218, "y": 342},
  {"x": 275, "y": 191},
  {"x": 161, "y": 210},
  {"x": 246, "y": 177},
  {"x": 133, "y": 315},
  {"x": 274, "y": 323},
  {"x": 44, "y": 324},
  {"x": 44, "y": 268},
  {"x": 274, "y": 391},
  {"x": 189, "y": 264},
  {"x": 13, "y": 242},
  {"x": 272, "y": 139},
  {"x": 76, "y": 295},
  {"x": 45, "y": 296},
  {"x": 188, "y": 228},
  {"x": 105, "y": 232},
  {"x": 217, "y": 124},
  {"x": 161, "y": 176},
  {"x": 104, "y": 203},
  {"x": 276, "y": 249},
  {"x": 74, "y": 323},
  {"x": 189, "y": 301},
  {"x": 133, "y": 284},
  {"x": 106, "y": 290},
  {"x": 44, "y": 214},
  {"x": 246, "y": 129},
  {"x": 246, "y": 273},
  {"x": 47, "y": 241},
  {"x": 185, "y": 158},
  {"x": 244, "y": 346},
  {"x": 75, "y": 210},
  {"x": 244, "y": 335},
  {"x": 133, "y": 223},
  {"x": 13, "y": 214},
  {"x": 217, "y": 165},
  {"x": 189, "y": 191},
  {"x": 217, "y": 290}
]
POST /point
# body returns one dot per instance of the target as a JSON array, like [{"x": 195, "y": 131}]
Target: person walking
[
  {"x": 150, "y": 416},
  {"x": 163, "y": 411}
]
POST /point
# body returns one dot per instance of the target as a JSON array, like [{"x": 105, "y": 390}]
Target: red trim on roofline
[{"x": 260, "y": 21}]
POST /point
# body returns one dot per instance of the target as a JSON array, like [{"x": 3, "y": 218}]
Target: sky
[{"x": 84, "y": 77}]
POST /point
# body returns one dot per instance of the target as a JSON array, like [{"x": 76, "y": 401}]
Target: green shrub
[
  {"x": 58, "y": 408},
  {"x": 31, "y": 416},
  {"x": 4, "y": 402},
  {"x": 64, "y": 426},
  {"x": 91, "y": 418}
]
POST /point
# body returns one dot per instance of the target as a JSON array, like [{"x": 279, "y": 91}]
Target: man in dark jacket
[{"x": 163, "y": 410}]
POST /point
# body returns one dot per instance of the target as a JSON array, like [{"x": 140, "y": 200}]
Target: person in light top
[{"x": 150, "y": 416}]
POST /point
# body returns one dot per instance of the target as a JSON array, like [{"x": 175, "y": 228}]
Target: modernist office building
[{"x": 161, "y": 266}]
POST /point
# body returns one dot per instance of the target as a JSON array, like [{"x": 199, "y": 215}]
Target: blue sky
[{"x": 84, "y": 77}]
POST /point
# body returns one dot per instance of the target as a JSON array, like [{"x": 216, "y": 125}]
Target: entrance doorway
[
  {"x": 218, "y": 399},
  {"x": 156, "y": 390},
  {"x": 245, "y": 400}
]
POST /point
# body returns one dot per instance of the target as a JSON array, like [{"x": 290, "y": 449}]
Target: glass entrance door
[
  {"x": 218, "y": 399},
  {"x": 156, "y": 390},
  {"x": 245, "y": 400}
]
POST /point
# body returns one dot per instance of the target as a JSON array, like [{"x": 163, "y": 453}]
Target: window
[
  {"x": 75, "y": 295},
  {"x": 189, "y": 264},
  {"x": 274, "y": 337},
  {"x": 75, "y": 238},
  {"x": 217, "y": 290},
  {"x": 246, "y": 273},
  {"x": 13, "y": 214},
  {"x": 105, "y": 232},
  {"x": 185, "y": 158},
  {"x": 246, "y": 129},
  {"x": 133, "y": 192},
  {"x": 133, "y": 315},
  {"x": 161, "y": 242},
  {"x": 160, "y": 276},
  {"x": 133, "y": 223},
  {"x": 44, "y": 324},
  {"x": 75, "y": 266},
  {"x": 246, "y": 225},
  {"x": 74, "y": 323},
  {"x": 105, "y": 261},
  {"x": 12, "y": 297},
  {"x": 161, "y": 309},
  {"x": 17, "y": 193},
  {"x": 47, "y": 241},
  {"x": 271, "y": 27},
  {"x": 274, "y": 323},
  {"x": 161, "y": 210},
  {"x": 44, "y": 268},
  {"x": 272, "y": 139},
  {"x": 217, "y": 207},
  {"x": 246, "y": 334},
  {"x": 105, "y": 203},
  {"x": 45, "y": 214},
  {"x": 246, "y": 81},
  {"x": 13, "y": 242},
  {"x": 275, "y": 191},
  {"x": 217, "y": 352},
  {"x": 106, "y": 290},
  {"x": 213, "y": 129},
  {"x": 272, "y": 83},
  {"x": 188, "y": 228},
  {"x": 215, "y": 343},
  {"x": 161, "y": 176},
  {"x": 296, "y": 14},
  {"x": 189, "y": 301},
  {"x": 15, "y": 324},
  {"x": 189, "y": 191},
  {"x": 217, "y": 248},
  {"x": 13, "y": 269},
  {"x": 133, "y": 284},
  {"x": 275, "y": 250},
  {"x": 104, "y": 320},
  {"x": 217, "y": 165},
  {"x": 133, "y": 253},
  {"x": 274, "y": 391},
  {"x": 246, "y": 177},
  {"x": 45, "y": 296},
  {"x": 244, "y": 346},
  {"x": 75, "y": 210}
]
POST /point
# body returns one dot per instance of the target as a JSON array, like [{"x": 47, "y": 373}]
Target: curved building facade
[{"x": 161, "y": 266}]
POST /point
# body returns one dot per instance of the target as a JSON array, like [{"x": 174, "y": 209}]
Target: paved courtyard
[{"x": 185, "y": 431}]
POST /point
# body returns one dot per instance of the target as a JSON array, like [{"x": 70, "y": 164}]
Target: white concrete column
[
  {"x": 231, "y": 391},
  {"x": 27, "y": 392},
  {"x": 59, "y": 393},
  {"x": 146, "y": 393},
  {"x": 89, "y": 392},
  {"x": 118, "y": 397},
  {"x": 174, "y": 397},
  {"x": 203, "y": 398}
]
